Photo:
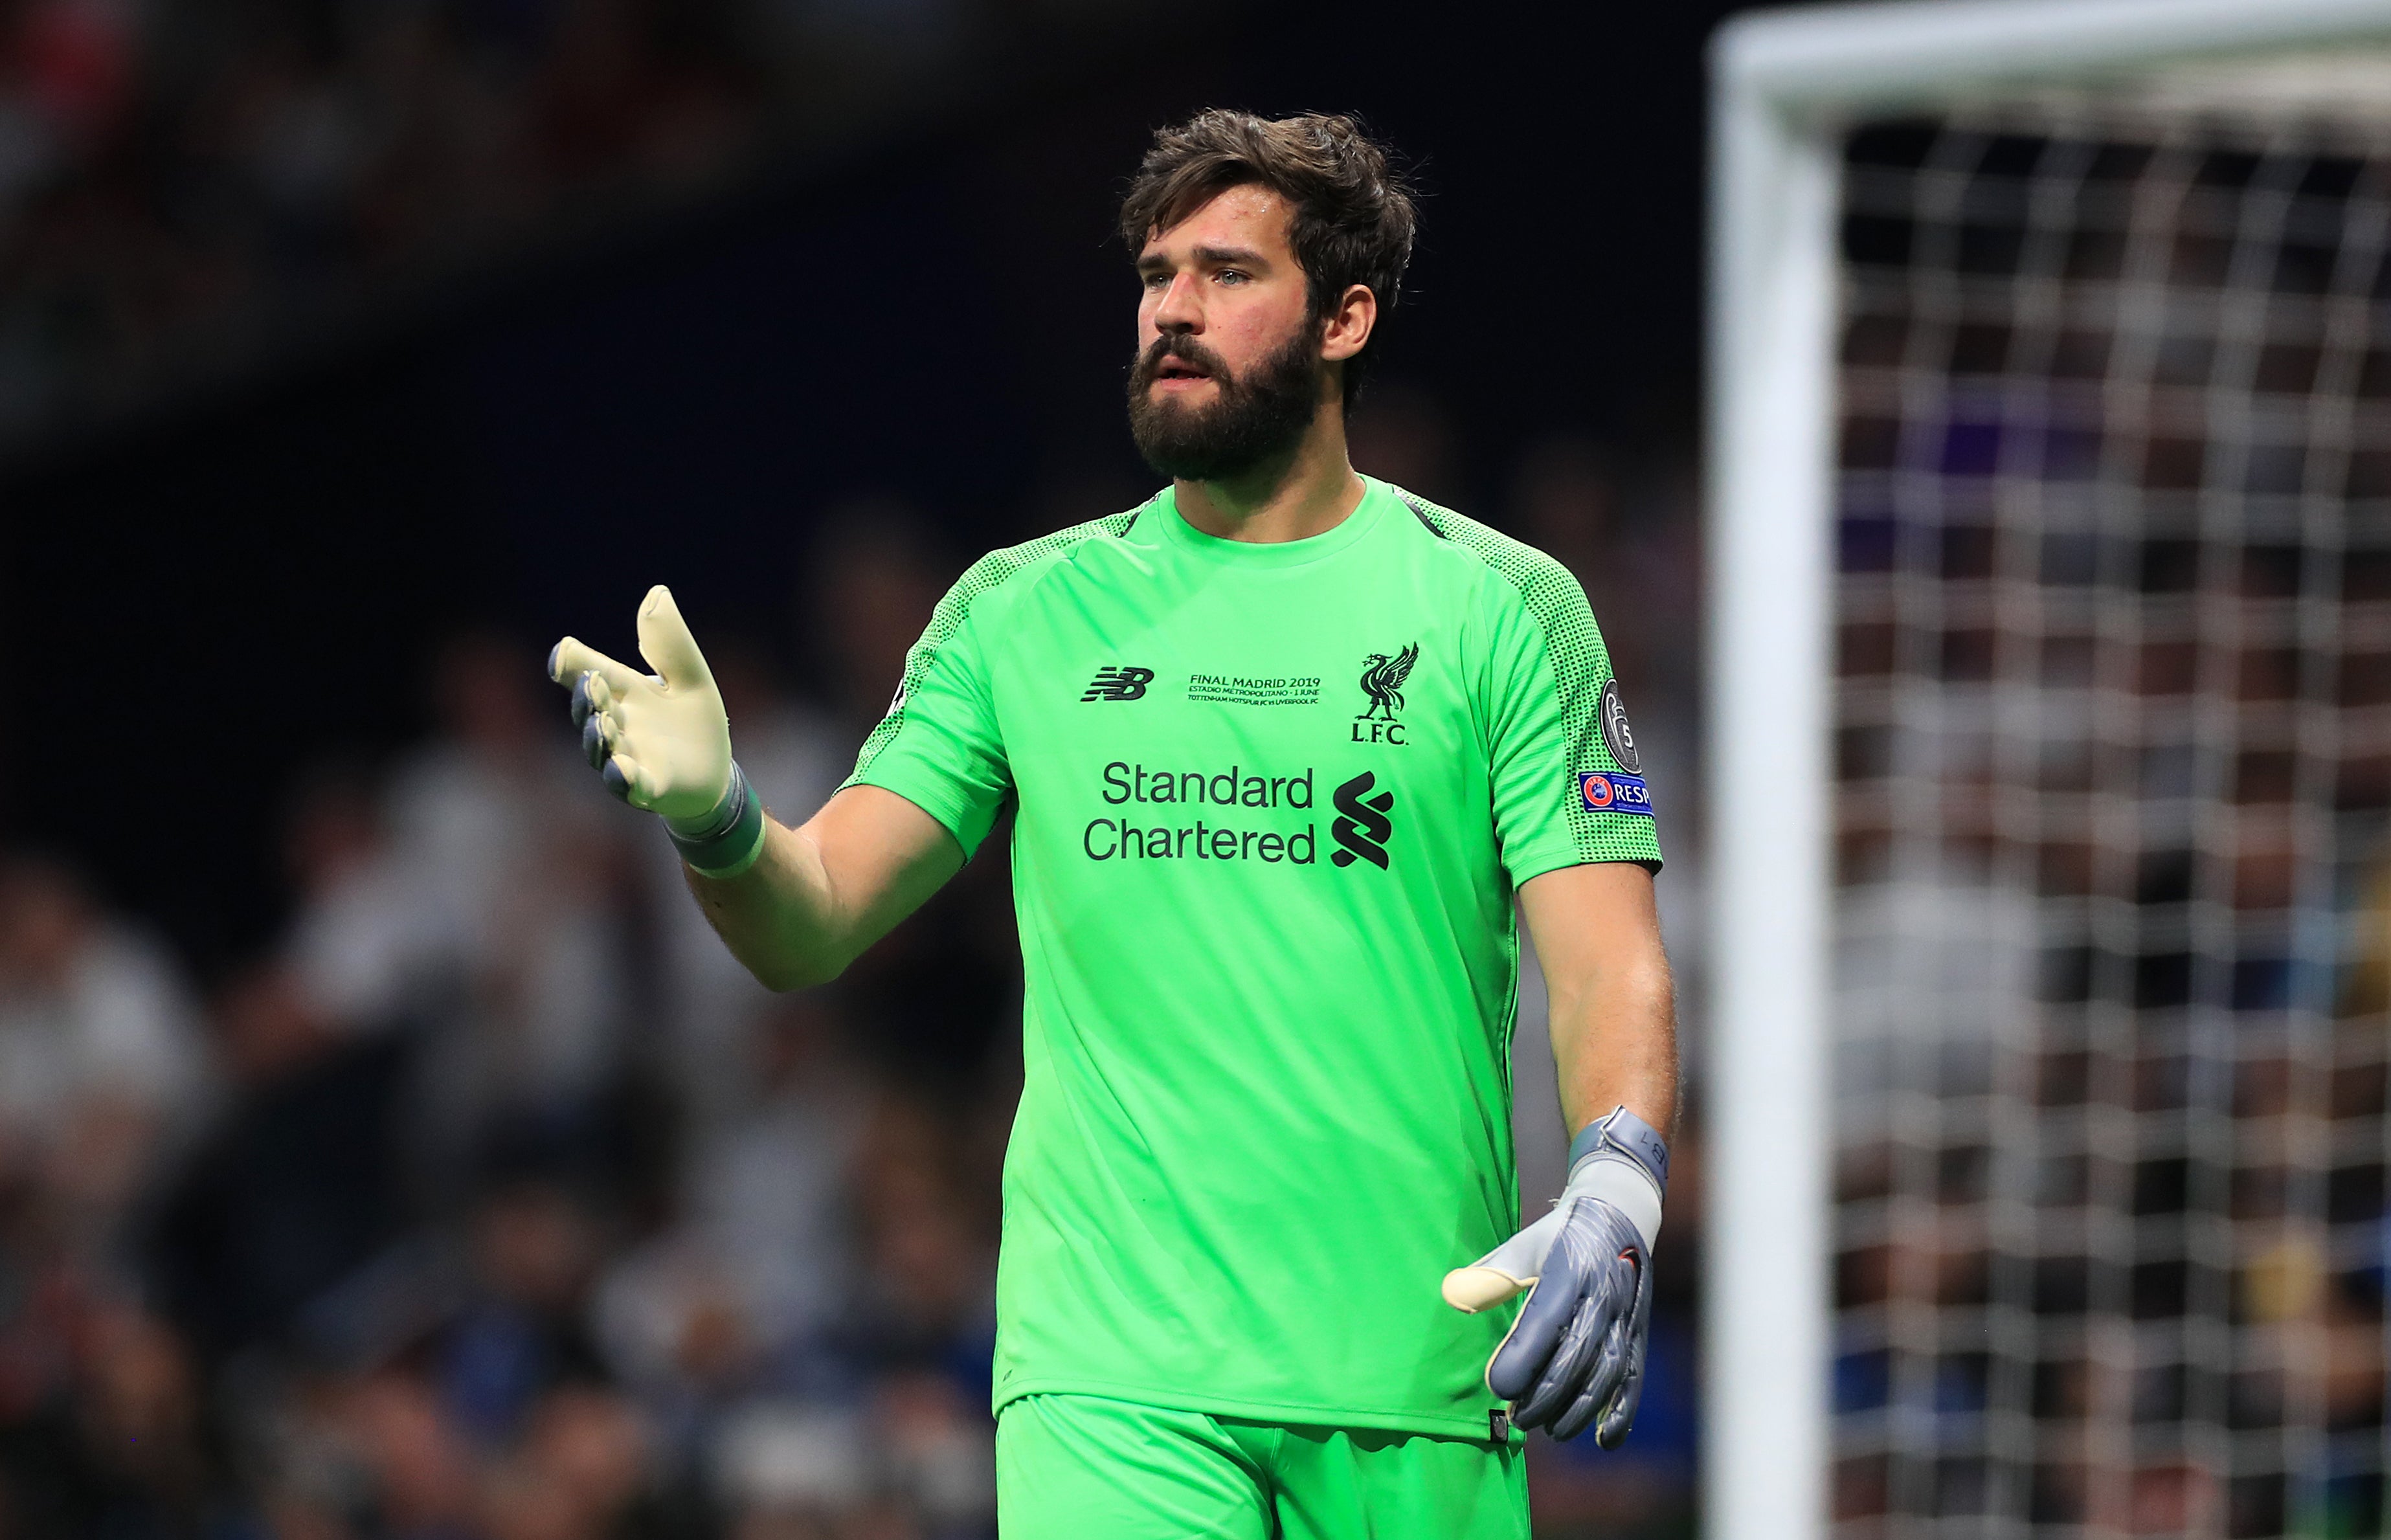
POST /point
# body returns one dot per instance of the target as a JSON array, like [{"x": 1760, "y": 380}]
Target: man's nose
[{"x": 1179, "y": 310}]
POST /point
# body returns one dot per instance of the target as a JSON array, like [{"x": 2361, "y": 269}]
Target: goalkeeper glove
[
  {"x": 1575, "y": 1357},
  {"x": 662, "y": 741}
]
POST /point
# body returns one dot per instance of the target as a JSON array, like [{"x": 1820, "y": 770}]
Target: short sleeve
[
  {"x": 1568, "y": 783},
  {"x": 939, "y": 747}
]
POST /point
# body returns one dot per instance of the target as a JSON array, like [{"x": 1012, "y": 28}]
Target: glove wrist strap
[
  {"x": 1623, "y": 1160},
  {"x": 727, "y": 841},
  {"x": 1625, "y": 1133}
]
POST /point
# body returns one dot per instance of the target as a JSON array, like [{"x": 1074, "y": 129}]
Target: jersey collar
[{"x": 1178, "y": 532}]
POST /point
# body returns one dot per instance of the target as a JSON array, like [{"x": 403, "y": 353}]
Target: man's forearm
[
  {"x": 820, "y": 893},
  {"x": 780, "y": 917},
  {"x": 1615, "y": 1044},
  {"x": 1612, "y": 1011}
]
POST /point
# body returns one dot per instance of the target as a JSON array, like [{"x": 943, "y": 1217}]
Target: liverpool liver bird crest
[{"x": 1382, "y": 680}]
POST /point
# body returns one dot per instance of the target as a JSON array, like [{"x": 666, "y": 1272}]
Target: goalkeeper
[{"x": 1286, "y": 741}]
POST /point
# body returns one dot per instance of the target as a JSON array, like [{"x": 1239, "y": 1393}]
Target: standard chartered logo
[
  {"x": 1234, "y": 787},
  {"x": 1363, "y": 828},
  {"x": 1152, "y": 823}
]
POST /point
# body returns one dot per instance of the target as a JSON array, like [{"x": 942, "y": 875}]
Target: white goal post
[{"x": 1788, "y": 87}]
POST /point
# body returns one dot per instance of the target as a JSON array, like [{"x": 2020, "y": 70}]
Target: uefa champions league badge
[{"x": 1614, "y": 793}]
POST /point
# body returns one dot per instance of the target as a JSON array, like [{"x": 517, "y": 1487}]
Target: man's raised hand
[{"x": 662, "y": 741}]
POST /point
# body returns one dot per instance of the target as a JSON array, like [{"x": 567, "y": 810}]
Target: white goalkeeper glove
[
  {"x": 662, "y": 741},
  {"x": 1575, "y": 1357}
]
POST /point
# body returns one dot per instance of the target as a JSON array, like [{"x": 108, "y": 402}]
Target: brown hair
[{"x": 1353, "y": 214}]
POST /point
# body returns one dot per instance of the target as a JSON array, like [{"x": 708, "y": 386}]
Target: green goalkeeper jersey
[{"x": 1272, "y": 801}]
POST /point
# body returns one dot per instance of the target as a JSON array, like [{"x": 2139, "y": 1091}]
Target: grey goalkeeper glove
[
  {"x": 662, "y": 741},
  {"x": 1575, "y": 1357}
]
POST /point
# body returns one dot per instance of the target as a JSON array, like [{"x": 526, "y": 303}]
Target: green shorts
[{"x": 1088, "y": 1468}]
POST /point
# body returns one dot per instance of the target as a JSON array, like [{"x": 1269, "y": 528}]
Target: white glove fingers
[
  {"x": 660, "y": 740},
  {"x": 597, "y": 745},
  {"x": 601, "y": 730},
  {"x": 629, "y": 780},
  {"x": 665, "y": 641},
  {"x": 572, "y": 657}
]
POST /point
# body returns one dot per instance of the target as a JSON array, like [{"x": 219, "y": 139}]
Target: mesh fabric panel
[
  {"x": 1581, "y": 665},
  {"x": 990, "y": 572}
]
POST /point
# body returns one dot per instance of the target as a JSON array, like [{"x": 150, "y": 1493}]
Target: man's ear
[{"x": 1350, "y": 324}]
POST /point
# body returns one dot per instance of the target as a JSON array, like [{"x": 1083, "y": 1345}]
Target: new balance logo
[
  {"x": 1362, "y": 831},
  {"x": 1118, "y": 684}
]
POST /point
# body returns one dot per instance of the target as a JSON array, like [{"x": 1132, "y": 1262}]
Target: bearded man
[{"x": 1285, "y": 743}]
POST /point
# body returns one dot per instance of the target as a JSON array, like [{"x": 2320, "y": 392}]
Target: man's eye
[{"x": 1230, "y": 275}]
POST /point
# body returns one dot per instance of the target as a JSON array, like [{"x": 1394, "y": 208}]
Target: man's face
[{"x": 1229, "y": 369}]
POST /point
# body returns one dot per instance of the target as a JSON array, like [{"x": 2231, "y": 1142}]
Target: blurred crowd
[
  {"x": 182, "y": 182},
  {"x": 494, "y": 1201}
]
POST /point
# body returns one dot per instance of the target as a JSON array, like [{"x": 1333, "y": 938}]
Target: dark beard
[{"x": 1254, "y": 420}]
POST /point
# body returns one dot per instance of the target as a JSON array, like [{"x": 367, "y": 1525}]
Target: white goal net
[
  {"x": 2104, "y": 859},
  {"x": 2113, "y": 751}
]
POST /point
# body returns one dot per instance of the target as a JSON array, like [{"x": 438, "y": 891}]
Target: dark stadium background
[
  {"x": 235, "y": 560},
  {"x": 200, "y": 581}
]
